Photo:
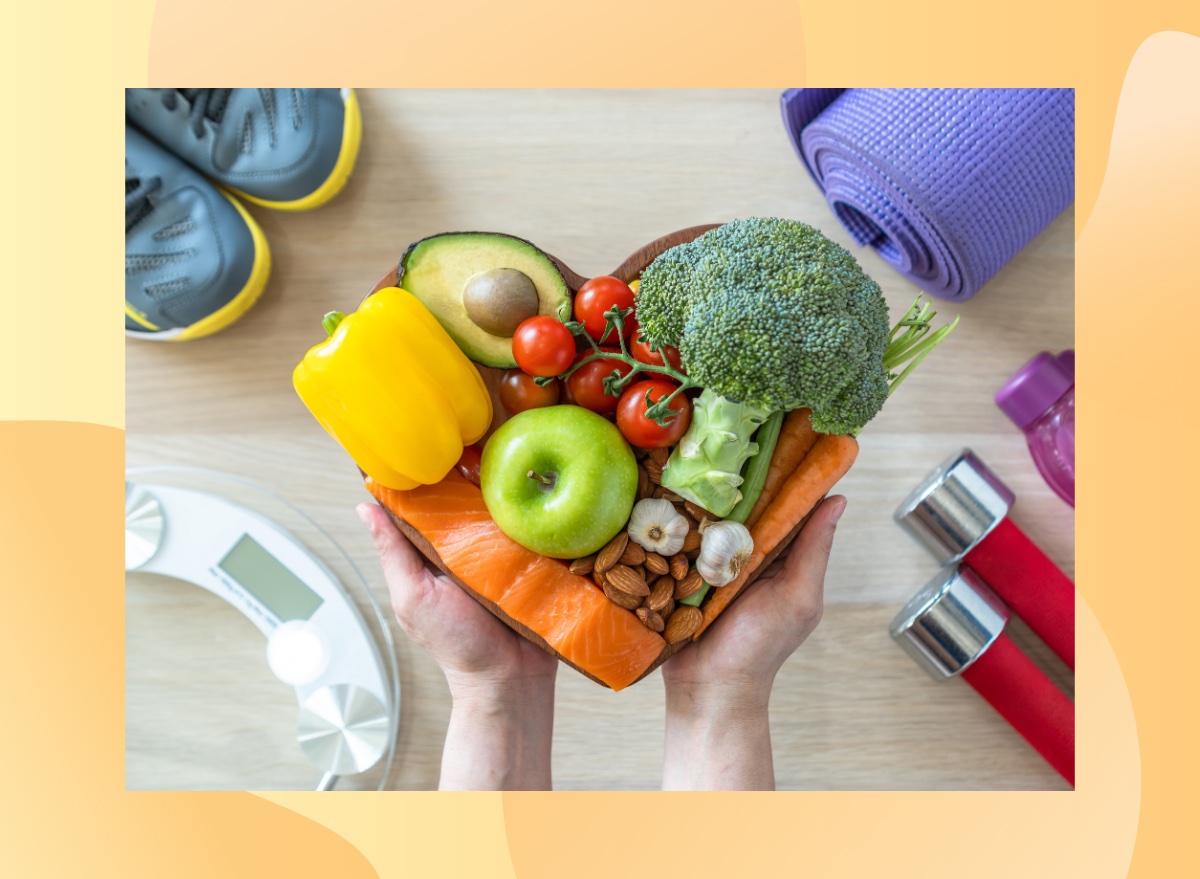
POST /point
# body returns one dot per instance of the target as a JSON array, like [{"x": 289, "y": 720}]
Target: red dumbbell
[
  {"x": 960, "y": 514},
  {"x": 954, "y": 627}
]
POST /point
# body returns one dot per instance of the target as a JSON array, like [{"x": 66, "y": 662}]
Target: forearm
[
  {"x": 499, "y": 738},
  {"x": 717, "y": 741}
]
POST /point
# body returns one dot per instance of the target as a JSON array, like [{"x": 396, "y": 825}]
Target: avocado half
[{"x": 437, "y": 271}]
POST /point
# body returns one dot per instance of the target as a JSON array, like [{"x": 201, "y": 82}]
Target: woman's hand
[
  {"x": 717, "y": 735},
  {"x": 502, "y": 685}
]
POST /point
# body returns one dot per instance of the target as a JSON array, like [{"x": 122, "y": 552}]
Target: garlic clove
[
  {"x": 656, "y": 526},
  {"x": 724, "y": 551}
]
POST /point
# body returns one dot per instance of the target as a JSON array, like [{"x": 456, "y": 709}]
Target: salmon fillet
[{"x": 568, "y": 611}]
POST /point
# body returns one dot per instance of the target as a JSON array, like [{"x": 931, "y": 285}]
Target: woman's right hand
[{"x": 717, "y": 689}]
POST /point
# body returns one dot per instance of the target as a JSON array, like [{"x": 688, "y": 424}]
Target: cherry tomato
[
  {"x": 519, "y": 391},
  {"x": 641, "y": 351},
  {"x": 644, "y": 432},
  {"x": 468, "y": 464},
  {"x": 543, "y": 346},
  {"x": 566, "y": 398},
  {"x": 596, "y": 297},
  {"x": 586, "y": 384}
]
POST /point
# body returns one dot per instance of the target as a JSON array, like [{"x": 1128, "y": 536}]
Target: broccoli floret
[
  {"x": 771, "y": 312},
  {"x": 771, "y": 315},
  {"x": 663, "y": 294}
]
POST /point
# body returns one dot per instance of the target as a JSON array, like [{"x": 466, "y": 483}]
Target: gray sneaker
[
  {"x": 195, "y": 260},
  {"x": 291, "y": 149}
]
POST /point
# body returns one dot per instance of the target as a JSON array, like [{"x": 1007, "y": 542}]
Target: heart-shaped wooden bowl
[{"x": 627, "y": 271}]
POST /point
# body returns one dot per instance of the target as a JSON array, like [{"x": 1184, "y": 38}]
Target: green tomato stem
[{"x": 636, "y": 367}]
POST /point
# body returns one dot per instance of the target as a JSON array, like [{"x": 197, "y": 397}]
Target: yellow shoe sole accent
[
  {"x": 138, "y": 317},
  {"x": 342, "y": 169},
  {"x": 231, "y": 310}
]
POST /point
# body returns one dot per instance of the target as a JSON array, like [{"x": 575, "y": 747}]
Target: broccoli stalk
[{"x": 706, "y": 466}]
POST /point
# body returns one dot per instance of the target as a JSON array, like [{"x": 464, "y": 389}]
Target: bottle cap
[
  {"x": 955, "y": 507},
  {"x": 950, "y": 623},
  {"x": 1035, "y": 388},
  {"x": 1066, "y": 359}
]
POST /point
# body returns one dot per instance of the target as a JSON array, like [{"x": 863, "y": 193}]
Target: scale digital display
[{"x": 270, "y": 581}]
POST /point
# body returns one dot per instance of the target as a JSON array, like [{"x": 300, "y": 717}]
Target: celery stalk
[{"x": 756, "y": 476}]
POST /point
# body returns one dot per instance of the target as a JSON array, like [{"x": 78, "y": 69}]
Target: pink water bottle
[{"x": 1040, "y": 399}]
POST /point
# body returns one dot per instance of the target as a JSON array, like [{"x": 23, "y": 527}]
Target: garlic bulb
[
  {"x": 656, "y": 526},
  {"x": 725, "y": 549}
]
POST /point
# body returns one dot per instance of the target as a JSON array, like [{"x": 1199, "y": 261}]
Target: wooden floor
[{"x": 588, "y": 176}]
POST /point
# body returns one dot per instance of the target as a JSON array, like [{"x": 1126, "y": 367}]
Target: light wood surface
[{"x": 589, "y": 177}]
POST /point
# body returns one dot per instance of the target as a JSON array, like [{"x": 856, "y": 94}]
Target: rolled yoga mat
[{"x": 946, "y": 184}]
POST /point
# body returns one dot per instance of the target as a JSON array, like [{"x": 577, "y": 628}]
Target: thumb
[{"x": 403, "y": 567}]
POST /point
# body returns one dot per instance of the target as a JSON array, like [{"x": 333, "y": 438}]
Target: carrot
[{"x": 817, "y": 473}]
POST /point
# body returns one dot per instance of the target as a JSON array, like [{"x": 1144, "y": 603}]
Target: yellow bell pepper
[{"x": 391, "y": 386}]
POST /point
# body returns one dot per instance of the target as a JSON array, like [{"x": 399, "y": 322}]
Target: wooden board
[{"x": 627, "y": 271}]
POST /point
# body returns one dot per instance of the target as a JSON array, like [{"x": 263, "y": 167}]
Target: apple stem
[{"x": 546, "y": 481}]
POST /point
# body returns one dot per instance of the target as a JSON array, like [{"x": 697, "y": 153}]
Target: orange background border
[{"x": 64, "y": 810}]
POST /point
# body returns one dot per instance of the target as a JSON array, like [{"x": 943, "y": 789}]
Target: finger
[
  {"x": 803, "y": 575},
  {"x": 403, "y": 567}
]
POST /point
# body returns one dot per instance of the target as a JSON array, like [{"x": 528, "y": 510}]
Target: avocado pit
[{"x": 498, "y": 300}]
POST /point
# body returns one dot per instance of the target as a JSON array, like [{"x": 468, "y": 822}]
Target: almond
[
  {"x": 584, "y": 565},
  {"x": 660, "y": 457},
  {"x": 621, "y": 599},
  {"x": 672, "y": 497},
  {"x": 693, "y": 554},
  {"x": 683, "y": 623},
  {"x": 668, "y": 610},
  {"x": 660, "y": 594},
  {"x": 645, "y": 487},
  {"x": 653, "y": 470},
  {"x": 633, "y": 554},
  {"x": 696, "y": 511},
  {"x": 679, "y": 566},
  {"x": 599, "y": 578},
  {"x": 689, "y": 585},
  {"x": 627, "y": 580},
  {"x": 611, "y": 554},
  {"x": 650, "y": 619},
  {"x": 691, "y": 542},
  {"x": 658, "y": 492},
  {"x": 656, "y": 563},
  {"x": 693, "y": 523}
]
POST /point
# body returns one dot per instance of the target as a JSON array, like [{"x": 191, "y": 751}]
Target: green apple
[{"x": 559, "y": 480}]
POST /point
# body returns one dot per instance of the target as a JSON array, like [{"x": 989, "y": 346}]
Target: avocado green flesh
[{"x": 436, "y": 271}]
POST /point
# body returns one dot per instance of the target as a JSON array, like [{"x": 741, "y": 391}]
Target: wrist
[
  {"x": 707, "y": 699},
  {"x": 500, "y": 733},
  {"x": 489, "y": 689},
  {"x": 717, "y": 738}
]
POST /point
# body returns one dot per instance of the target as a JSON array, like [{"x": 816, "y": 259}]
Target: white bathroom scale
[{"x": 279, "y": 672}]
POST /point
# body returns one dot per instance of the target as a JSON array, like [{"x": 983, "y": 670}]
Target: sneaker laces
[
  {"x": 204, "y": 103},
  {"x": 137, "y": 198}
]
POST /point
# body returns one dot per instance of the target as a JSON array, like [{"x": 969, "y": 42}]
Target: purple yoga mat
[{"x": 946, "y": 184}]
